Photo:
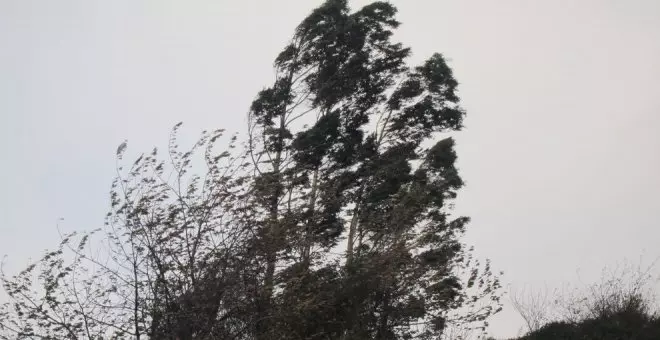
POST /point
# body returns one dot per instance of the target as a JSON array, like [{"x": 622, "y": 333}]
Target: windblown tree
[
  {"x": 333, "y": 223},
  {"x": 365, "y": 172},
  {"x": 164, "y": 266}
]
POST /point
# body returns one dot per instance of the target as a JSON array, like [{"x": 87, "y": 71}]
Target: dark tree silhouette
[{"x": 332, "y": 223}]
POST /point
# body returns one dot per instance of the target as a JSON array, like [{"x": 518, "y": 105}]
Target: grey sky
[{"x": 560, "y": 152}]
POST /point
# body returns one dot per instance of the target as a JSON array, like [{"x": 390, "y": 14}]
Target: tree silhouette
[{"x": 333, "y": 222}]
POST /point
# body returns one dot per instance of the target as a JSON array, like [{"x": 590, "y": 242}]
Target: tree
[
  {"x": 334, "y": 223},
  {"x": 166, "y": 265}
]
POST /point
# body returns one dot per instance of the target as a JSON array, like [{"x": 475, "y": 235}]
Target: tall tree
[
  {"x": 363, "y": 174},
  {"x": 334, "y": 223}
]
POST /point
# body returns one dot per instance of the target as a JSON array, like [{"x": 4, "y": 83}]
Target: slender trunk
[
  {"x": 273, "y": 232},
  {"x": 136, "y": 303},
  {"x": 273, "y": 227},
  {"x": 307, "y": 243},
  {"x": 307, "y": 246},
  {"x": 356, "y": 212},
  {"x": 351, "y": 237},
  {"x": 272, "y": 242},
  {"x": 352, "y": 229}
]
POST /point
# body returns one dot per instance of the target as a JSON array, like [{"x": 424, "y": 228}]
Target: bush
[
  {"x": 620, "y": 307},
  {"x": 633, "y": 323}
]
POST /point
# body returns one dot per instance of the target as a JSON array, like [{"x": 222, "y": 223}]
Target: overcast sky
[{"x": 560, "y": 152}]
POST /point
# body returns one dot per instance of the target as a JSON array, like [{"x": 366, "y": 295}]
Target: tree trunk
[{"x": 307, "y": 246}]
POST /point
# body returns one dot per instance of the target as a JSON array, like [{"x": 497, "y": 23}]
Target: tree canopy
[{"x": 331, "y": 220}]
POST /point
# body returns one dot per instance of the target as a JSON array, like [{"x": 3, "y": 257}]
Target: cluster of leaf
[{"x": 332, "y": 223}]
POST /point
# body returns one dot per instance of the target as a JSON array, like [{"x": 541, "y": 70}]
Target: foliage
[
  {"x": 633, "y": 323},
  {"x": 621, "y": 306},
  {"x": 332, "y": 223}
]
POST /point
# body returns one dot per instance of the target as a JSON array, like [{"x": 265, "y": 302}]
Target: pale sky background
[{"x": 560, "y": 153}]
